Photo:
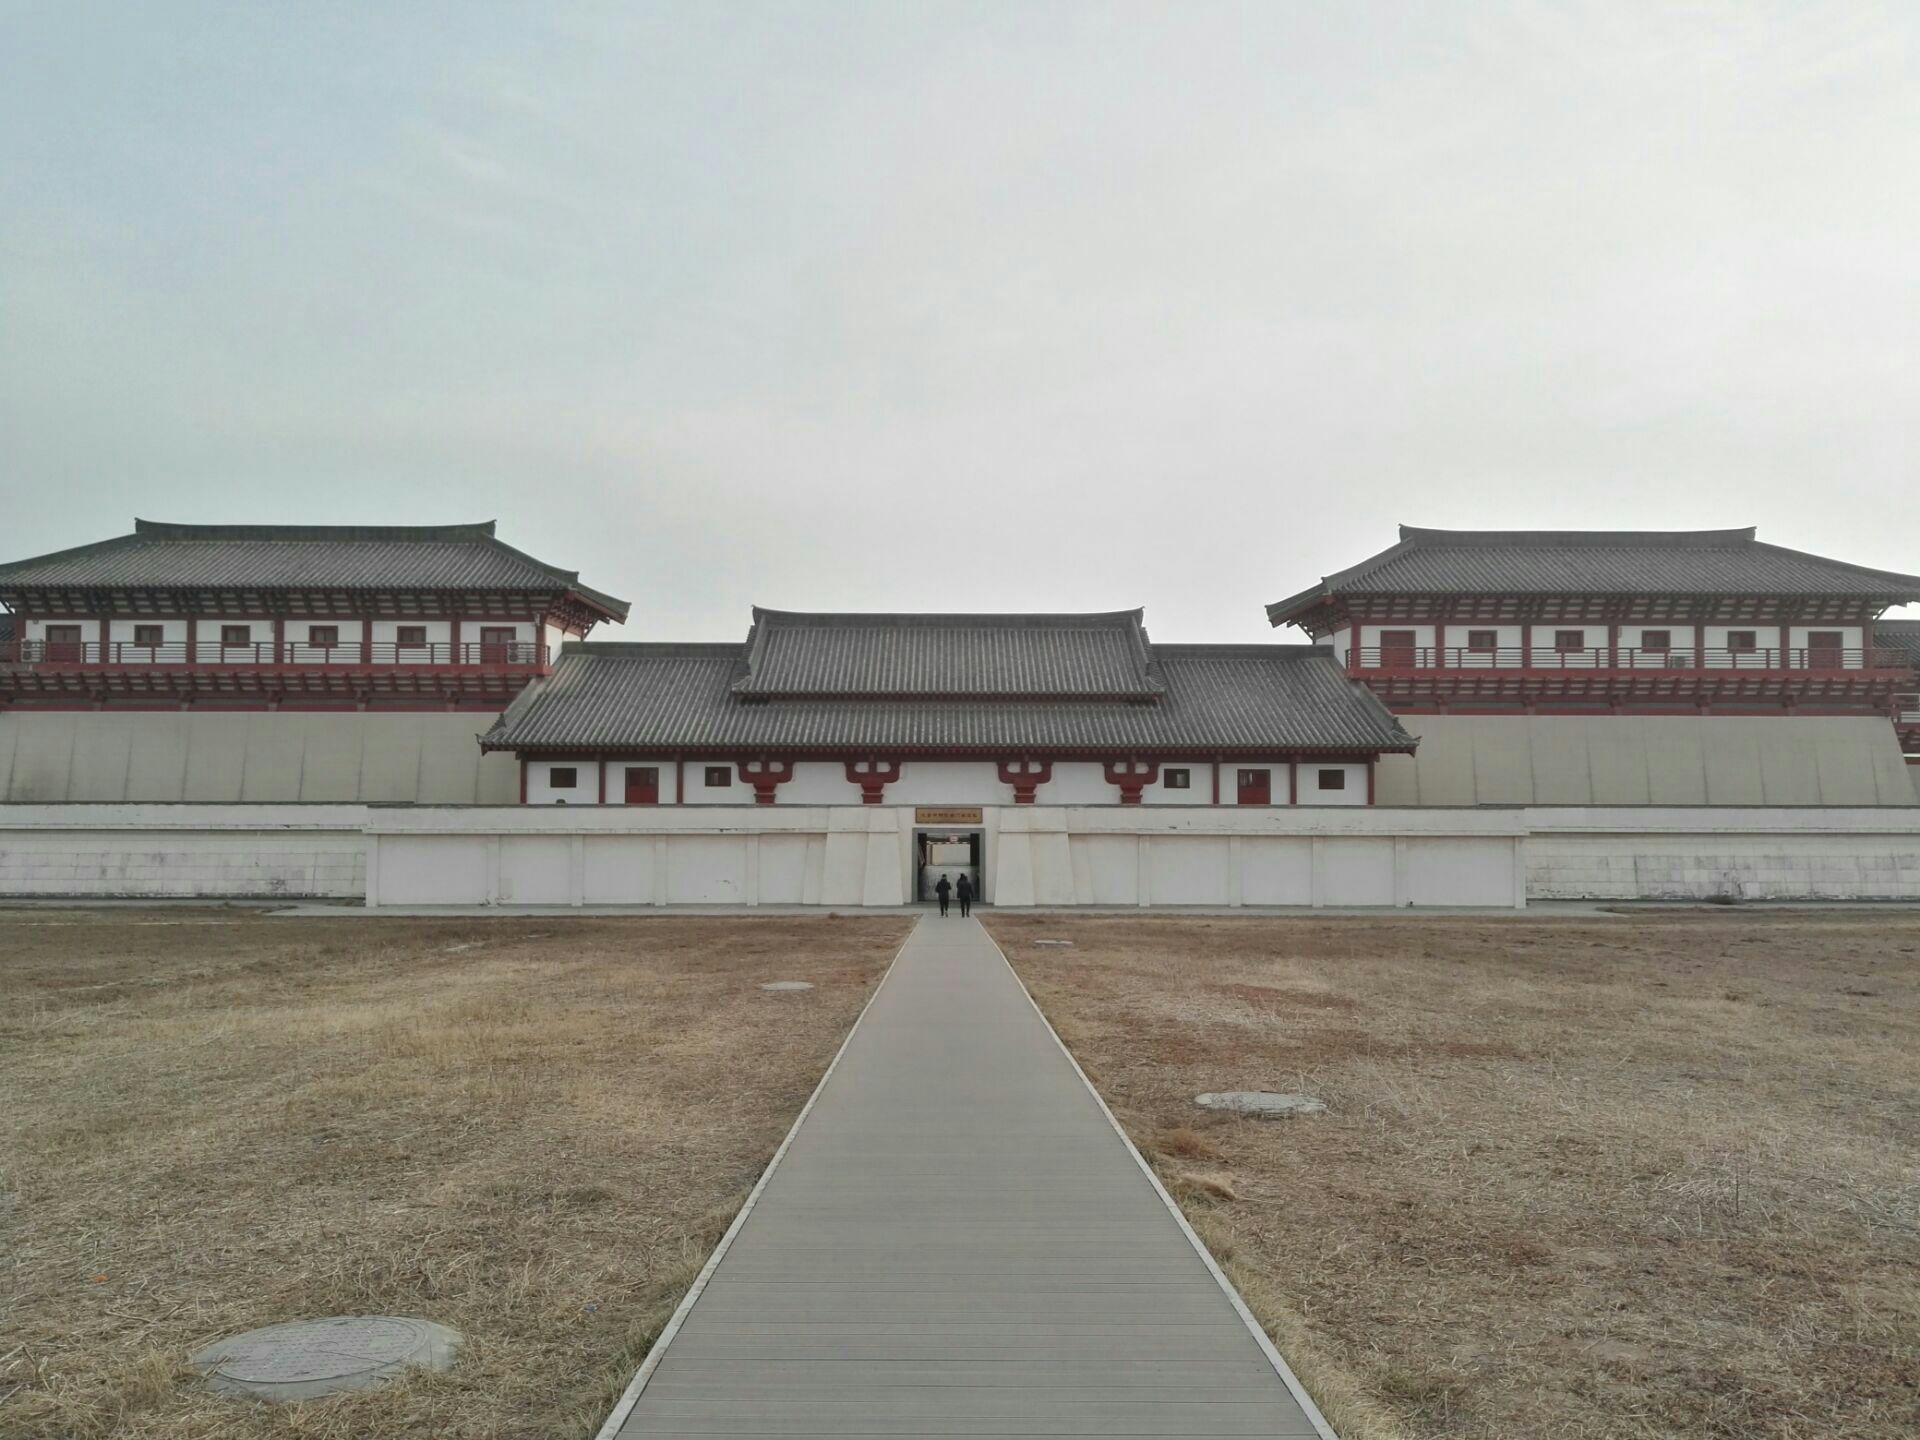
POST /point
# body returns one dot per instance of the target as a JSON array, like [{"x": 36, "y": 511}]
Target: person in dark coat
[
  {"x": 943, "y": 890},
  {"x": 965, "y": 891}
]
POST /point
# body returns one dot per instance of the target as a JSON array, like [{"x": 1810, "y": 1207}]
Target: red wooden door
[
  {"x": 1396, "y": 648},
  {"x": 64, "y": 643},
  {"x": 643, "y": 784},
  {"x": 496, "y": 644},
  {"x": 1823, "y": 650},
  {"x": 1256, "y": 787}
]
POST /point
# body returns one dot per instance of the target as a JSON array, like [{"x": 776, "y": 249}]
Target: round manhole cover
[
  {"x": 788, "y": 985},
  {"x": 305, "y": 1358},
  {"x": 1260, "y": 1102}
]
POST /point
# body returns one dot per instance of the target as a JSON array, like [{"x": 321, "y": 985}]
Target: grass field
[
  {"x": 532, "y": 1131},
  {"x": 1604, "y": 1177}
]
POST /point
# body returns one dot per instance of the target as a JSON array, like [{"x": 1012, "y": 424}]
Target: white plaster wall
[
  {"x": 734, "y": 792},
  {"x": 1311, "y": 792},
  {"x": 387, "y": 632},
  {"x": 1460, "y": 658},
  {"x": 819, "y": 782},
  {"x": 122, "y": 649},
  {"x": 109, "y": 851},
  {"x": 586, "y": 791},
  {"x": 1200, "y": 792},
  {"x": 1074, "y": 782},
  {"x": 1714, "y": 638},
  {"x": 1545, "y": 657},
  {"x": 207, "y": 644}
]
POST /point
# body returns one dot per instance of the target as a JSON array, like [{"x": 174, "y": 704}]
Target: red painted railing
[
  {"x": 209, "y": 654},
  {"x": 1366, "y": 658}
]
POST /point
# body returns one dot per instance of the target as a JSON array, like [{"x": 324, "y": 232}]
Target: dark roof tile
[
  {"x": 297, "y": 557},
  {"x": 1595, "y": 562}
]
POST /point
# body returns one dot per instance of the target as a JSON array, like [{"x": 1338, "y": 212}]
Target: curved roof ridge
[
  {"x": 172, "y": 530},
  {"x": 1597, "y": 539},
  {"x": 1064, "y": 619}
]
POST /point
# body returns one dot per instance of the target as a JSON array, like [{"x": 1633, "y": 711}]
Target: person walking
[
  {"x": 943, "y": 890},
  {"x": 965, "y": 891}
]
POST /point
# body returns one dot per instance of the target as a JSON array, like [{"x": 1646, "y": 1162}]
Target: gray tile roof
[
  {"x": 1596, "y": 562},
  {"x": 300, "y": 557},
  {"x": 1900, "y": 635},
  {"x": 1215, "y": 698},
  {"x": 795, "y": 654}
]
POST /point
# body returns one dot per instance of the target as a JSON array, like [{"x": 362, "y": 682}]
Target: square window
[
  {"x": 1177, "y": 779},
  {"x": 1333, "y": 779},
  {"x": 150, "y": 635},
  {"x": 1569, "y": 640},
  {"x": 1483, "y": 641},
  {"x": 1743, "y": 640},
  {"x": 236, "y": 634},
  {"x": 410, "y": 635},
  {"x": 563, "y": 777},
  {"x": 719, "y": 777},
  {"x": 1656, "y": 639},
  {"x": 323, "y": 636}
]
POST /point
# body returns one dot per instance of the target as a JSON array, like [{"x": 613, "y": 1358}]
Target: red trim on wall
[
  {"x": 602, "y": 764},
  {"x": 1131, "y": 777},
  {"x": 765, "y": 776},
  {"x": 1293, "y": 781},
  {"x": 679, "y": 780},
  {"x": 523, "y": 779},
  {"x": 1369, "y": 782},
  {"x": 1025, "y": 776},
  {"x": 1216, "y": 781},
  {"x": 873, "y": 777}
]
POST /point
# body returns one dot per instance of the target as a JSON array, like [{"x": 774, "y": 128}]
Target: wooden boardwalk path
[{"x": 956, "y": 1240}]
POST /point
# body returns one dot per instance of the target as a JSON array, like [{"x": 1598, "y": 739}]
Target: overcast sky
[{"x": 973, "y": 306}]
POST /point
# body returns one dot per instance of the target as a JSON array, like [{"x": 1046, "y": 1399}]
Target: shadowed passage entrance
[{"x": 951, "y": 853}]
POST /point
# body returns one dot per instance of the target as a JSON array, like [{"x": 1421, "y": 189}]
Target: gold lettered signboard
[{"x": 946, "y": 814}]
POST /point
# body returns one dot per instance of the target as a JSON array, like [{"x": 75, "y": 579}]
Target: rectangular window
[
  {"x": 410, "y": 635},
  {"x": 1566, "y": 641},
  {"x": 1743, "y": 640},
  {"x": 1177, "y": 779},
  {"x": 151, "y": 636},
  {"x": 1483, "y": 641},
  {"x": 563, "y": 777},
  {"x": 236, "y": 634},
  {"x": 719, "y": 777},
  {"x": 323, "y": 637},
  {"x": 1656, "y": 639},
  {"x": 1255, "y": 787},
  {"x": 1333, "y": 779}
]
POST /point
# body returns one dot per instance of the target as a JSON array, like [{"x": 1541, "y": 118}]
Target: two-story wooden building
[
  {"x": 353, "y": 639},
  {"x": 1460, "y": 627}
]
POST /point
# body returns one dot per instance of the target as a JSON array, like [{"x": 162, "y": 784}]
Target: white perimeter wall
[
  {"x": 863, "y": 855},
  {"x": 213, "y": 851},
  {"x": 1036, "y": 855}
]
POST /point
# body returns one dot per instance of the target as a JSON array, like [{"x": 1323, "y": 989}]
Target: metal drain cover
[
  {"x": 1260, "y": 1102},
  {"x": 788, "y": 985},
  {"x": 305, "y": 1358}
]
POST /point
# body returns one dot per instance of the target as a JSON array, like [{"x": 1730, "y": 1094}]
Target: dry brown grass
[
  {"x": 1634, "y": 1177},
  {"x": 533, "y": 1131}
]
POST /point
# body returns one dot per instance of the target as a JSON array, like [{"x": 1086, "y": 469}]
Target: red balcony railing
[
  {"x": 518, "y": 654},
  {"x": 1602, "y": 657}
]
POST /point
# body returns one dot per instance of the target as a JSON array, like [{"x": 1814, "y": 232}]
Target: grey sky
[{"x": 990, "y": 306}]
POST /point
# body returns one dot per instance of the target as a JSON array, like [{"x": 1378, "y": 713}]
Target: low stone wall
[
  {"x": 191, "y": 851},
  {"x": 1686, "y": 853}
]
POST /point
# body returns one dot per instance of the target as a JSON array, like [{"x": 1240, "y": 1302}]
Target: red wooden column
[
  {"x": 1293, "y": 781},
  {"x": 106, "y": 630},
  {"x": 366, "y": 640},
  {"x": 279, "y": 639},
  {"x": 453, "y": 640},
  {"x": 1613, "y": 645},
  {"x": 523, "y": 779},
  {"x": 602, "y": 763},
  {"x": 1370, "y": 760}
]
